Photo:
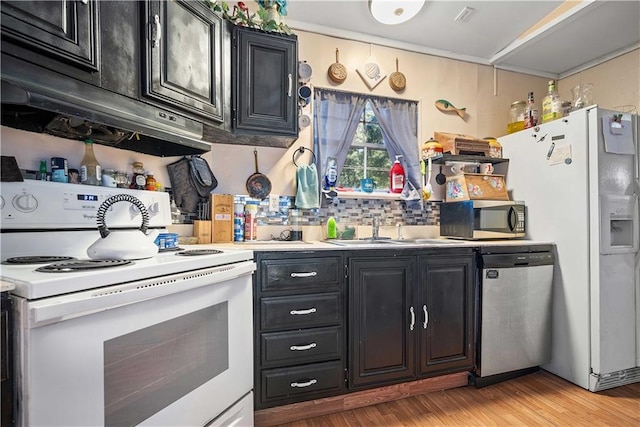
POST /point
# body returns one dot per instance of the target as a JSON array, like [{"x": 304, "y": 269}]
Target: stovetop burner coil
[
  {"x": 37, "y": 259},
  {"x": 197, "y": 252},
  {"x": 82, "y": 265}
]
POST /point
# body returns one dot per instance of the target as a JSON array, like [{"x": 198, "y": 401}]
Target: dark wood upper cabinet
[
  {"x": 264, "y": 82},
  {"x": 64, "y": 30},
  {"x": 183, "y": 57}
]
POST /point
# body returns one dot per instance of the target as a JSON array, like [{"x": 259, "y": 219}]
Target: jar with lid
[
  {"x": 495, "y": 148},
  {"x": 138, "y": 181},
  {"x": 122, "y": 180},
  {"x": 90, "y": 169},
  {"x": 516, "y": 116},
  {"x": 431, "y": 149},
  {"x": 109, "y": 178},
  {"x": 150, "y": 184}
]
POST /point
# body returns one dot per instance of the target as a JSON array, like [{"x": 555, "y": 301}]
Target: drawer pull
[
  {"x": 303, "y": 312},
  {"x": 303, "y": 347},
  {"x": 310, "y": 274},
  {"x": 302, "y": 385}
]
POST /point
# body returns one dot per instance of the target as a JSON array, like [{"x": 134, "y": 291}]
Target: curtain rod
[{"x": 344, "y": 92}]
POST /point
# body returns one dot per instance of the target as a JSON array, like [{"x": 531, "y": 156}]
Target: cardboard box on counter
[{"x": 222, "y": 218}]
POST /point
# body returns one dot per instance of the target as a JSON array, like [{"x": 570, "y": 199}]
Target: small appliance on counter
[{"x": 483, "y": 219}]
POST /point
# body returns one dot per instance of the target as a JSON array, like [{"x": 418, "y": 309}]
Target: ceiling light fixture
[
  {"x": 464, "y": 14},
  {"x": 392, "y": 12}
]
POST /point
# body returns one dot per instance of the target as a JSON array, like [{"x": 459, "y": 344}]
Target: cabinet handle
[
  {"x": 310, "y": 274},
  {"x": 290, "y": 85},
  {"x": 426, "y": 317},
  {"x": 303, "y": 347},
  {"x": 158, "y": 35},
  {"x": 303, "y": 312},
  {"x": 307, "y": 384},
  {"x": 413, "y": 318}
]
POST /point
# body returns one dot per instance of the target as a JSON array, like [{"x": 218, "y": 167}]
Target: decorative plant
[{"x": 241, "y": 16}]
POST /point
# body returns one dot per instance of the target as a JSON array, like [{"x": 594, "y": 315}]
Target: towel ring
[{"x": 301, "y": 150}]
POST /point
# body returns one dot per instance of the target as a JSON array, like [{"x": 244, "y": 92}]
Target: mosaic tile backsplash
[{"x": 348, "y": 211}]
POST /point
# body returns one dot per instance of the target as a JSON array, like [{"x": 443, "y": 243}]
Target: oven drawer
[
  {"x": 309, "y": 379},
  {"x": 301, "y": 311},
  {"x": 305, "y": 346},
  {"x": 300, "y": 274}
]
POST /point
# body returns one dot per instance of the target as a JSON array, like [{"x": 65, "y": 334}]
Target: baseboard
[{"x": 329, "y": 405}]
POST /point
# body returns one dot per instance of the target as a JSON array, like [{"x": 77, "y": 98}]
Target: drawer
[
  {"x": 300, "y": 274},
  {"x": 304, "y": 346},
  {"x": 309, "y": 379},
  {"x": 301, "y": 311}
]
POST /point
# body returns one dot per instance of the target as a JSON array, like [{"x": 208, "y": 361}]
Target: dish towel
[{"x": 308, "y": 193}]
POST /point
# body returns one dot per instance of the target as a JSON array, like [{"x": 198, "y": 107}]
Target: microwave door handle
[{"x": 512, "y": 219}]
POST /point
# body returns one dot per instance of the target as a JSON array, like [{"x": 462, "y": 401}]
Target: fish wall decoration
[{"x": 447, "y": 107}]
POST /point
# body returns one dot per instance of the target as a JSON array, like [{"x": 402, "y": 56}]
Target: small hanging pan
[
  {"x": 337, "y": 71},
  {"x": 258, "y": 185},
  {"x": 397, "y": 80}
]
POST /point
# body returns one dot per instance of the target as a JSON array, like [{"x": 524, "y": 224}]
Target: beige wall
[{"x": 487, "y": 95}]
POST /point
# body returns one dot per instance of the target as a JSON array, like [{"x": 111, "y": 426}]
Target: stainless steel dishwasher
[{"x": 514, "y": 323}]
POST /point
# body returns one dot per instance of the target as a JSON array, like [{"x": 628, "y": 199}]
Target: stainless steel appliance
[
  {"x": 579, "y": 176},
  {"x": 514, "y": 331},
  {"x": 482, "y": 219},
  {"x": 165, "y": 340}
]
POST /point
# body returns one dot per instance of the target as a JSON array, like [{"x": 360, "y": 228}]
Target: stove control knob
[
  {"x": 153, "y": 208},
  {"x": 25, "y": 202}
]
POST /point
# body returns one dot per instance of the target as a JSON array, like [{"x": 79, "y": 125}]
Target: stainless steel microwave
[{"x": 483, "y": 219}]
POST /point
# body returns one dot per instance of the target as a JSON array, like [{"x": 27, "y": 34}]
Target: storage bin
[
  {"x": 473, "y": 186},
  {"x": 455, "y": 143}
]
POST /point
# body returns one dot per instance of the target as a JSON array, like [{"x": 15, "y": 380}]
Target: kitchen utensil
[
  {"x": 123, "y": 244},
  {"x": 258, "y": 185},
  {"x": 337, "y": 71},
  {"x": 440, "y": 177},
  {"x": 428, "y": 189},
  {"x": 397, "y": 80}
]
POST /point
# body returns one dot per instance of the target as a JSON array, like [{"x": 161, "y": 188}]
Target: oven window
[{"x": 147, "y": 370}]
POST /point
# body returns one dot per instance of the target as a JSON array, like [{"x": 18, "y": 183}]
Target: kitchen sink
[
  {"x": 363, "y": 242},
  {"x": 426, "y": 241}
]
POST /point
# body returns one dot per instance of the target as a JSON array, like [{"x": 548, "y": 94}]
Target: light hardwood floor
[{"x": 538, "y": 399}]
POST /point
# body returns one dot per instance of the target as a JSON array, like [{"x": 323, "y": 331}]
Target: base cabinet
[
  {"x": 299, "y": 327},
  {"x": 409, "y": 316}
]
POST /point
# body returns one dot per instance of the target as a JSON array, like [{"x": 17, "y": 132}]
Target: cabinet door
[
  {"x": 63, "y": 29},
  {"x": 381, "y": 320},
  {"x": 184, "y": 56},
  {"x": 264, "y": 91},
  {"x": 446, "y": 314}
]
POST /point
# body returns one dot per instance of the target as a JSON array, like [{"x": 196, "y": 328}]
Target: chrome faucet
[
  {"x": 399, "y": 229},
  {"x": 375, "y": 224}
]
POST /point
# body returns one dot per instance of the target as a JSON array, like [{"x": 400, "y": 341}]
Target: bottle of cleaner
[
  {"x": 396, "y": 176},
  {"x": 332, "y": 231}
]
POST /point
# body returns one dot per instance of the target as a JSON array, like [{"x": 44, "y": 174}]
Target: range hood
[{"x": 73, "y": 109}]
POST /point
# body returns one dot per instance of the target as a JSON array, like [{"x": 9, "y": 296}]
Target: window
[{"x": 367, "y": 157}]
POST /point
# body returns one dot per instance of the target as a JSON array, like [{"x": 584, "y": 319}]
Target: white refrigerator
[{"x": 579, "y": 179}]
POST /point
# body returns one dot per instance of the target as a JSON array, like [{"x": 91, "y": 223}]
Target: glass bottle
[
  {"x": 90, "y": 170},
  {"x": 516, "y": 117},
  {"x": 138, "y": 180},
  {"x": 551, "y": 104},
  {"x": 43, "y": 170},
  {"x": 150, "y": 182},
  {"x": 531, "y": 113},
  {"x": 122, "y": 180}
]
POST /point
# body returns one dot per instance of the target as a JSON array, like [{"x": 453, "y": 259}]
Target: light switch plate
[{"x": 274, "y": 203}]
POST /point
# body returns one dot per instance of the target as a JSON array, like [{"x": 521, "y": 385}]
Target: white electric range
[{"x": 165, "y": 340}]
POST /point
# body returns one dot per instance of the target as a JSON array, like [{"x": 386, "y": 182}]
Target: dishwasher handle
[{"x": 517, "y": 260}]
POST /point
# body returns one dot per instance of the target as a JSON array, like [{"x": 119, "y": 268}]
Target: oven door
[{"x": 175, "y": 350}]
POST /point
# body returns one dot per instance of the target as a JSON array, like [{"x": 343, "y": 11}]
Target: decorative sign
[{"x": 371, "y": 72}]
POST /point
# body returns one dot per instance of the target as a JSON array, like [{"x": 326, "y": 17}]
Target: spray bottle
[{"x": 396, "y": 176}]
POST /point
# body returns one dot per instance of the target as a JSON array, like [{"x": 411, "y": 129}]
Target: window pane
[
  {"x": 360, "y": 136},
  {"x": 378, "y": 159},
  {"x": 373, "y": 134},
  {"x": 381, "y": 178}
]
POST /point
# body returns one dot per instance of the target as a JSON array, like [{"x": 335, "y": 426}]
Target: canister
[
  {"x": 516, "y": 116},
  {"x": 59, "y": 169},
  {"x": 238, "y": 222},
  {"x": 251, "y": 221},
  {"x": 495, "y": 148},
  {"x": 109, "y": 178},
  {"x": 431, "y": 149}
]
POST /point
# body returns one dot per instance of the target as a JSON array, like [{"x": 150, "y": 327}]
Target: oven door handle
[{"x": 70, "y": 306}]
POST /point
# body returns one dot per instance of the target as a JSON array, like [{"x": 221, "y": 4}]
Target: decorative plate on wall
[{"x": 371, "y": 72}]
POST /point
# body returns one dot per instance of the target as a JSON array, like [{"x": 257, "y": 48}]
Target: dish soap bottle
[
  {"x": 90, "y": 170},
  {"x": 396, "y": 176},
  {"x": 332, "y": 231}
]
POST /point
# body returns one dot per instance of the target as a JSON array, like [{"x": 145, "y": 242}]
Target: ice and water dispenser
[{"x": 619, "y": 228}]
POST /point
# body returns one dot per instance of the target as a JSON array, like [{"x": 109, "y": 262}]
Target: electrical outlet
[{"x": 274, "y": 203}]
